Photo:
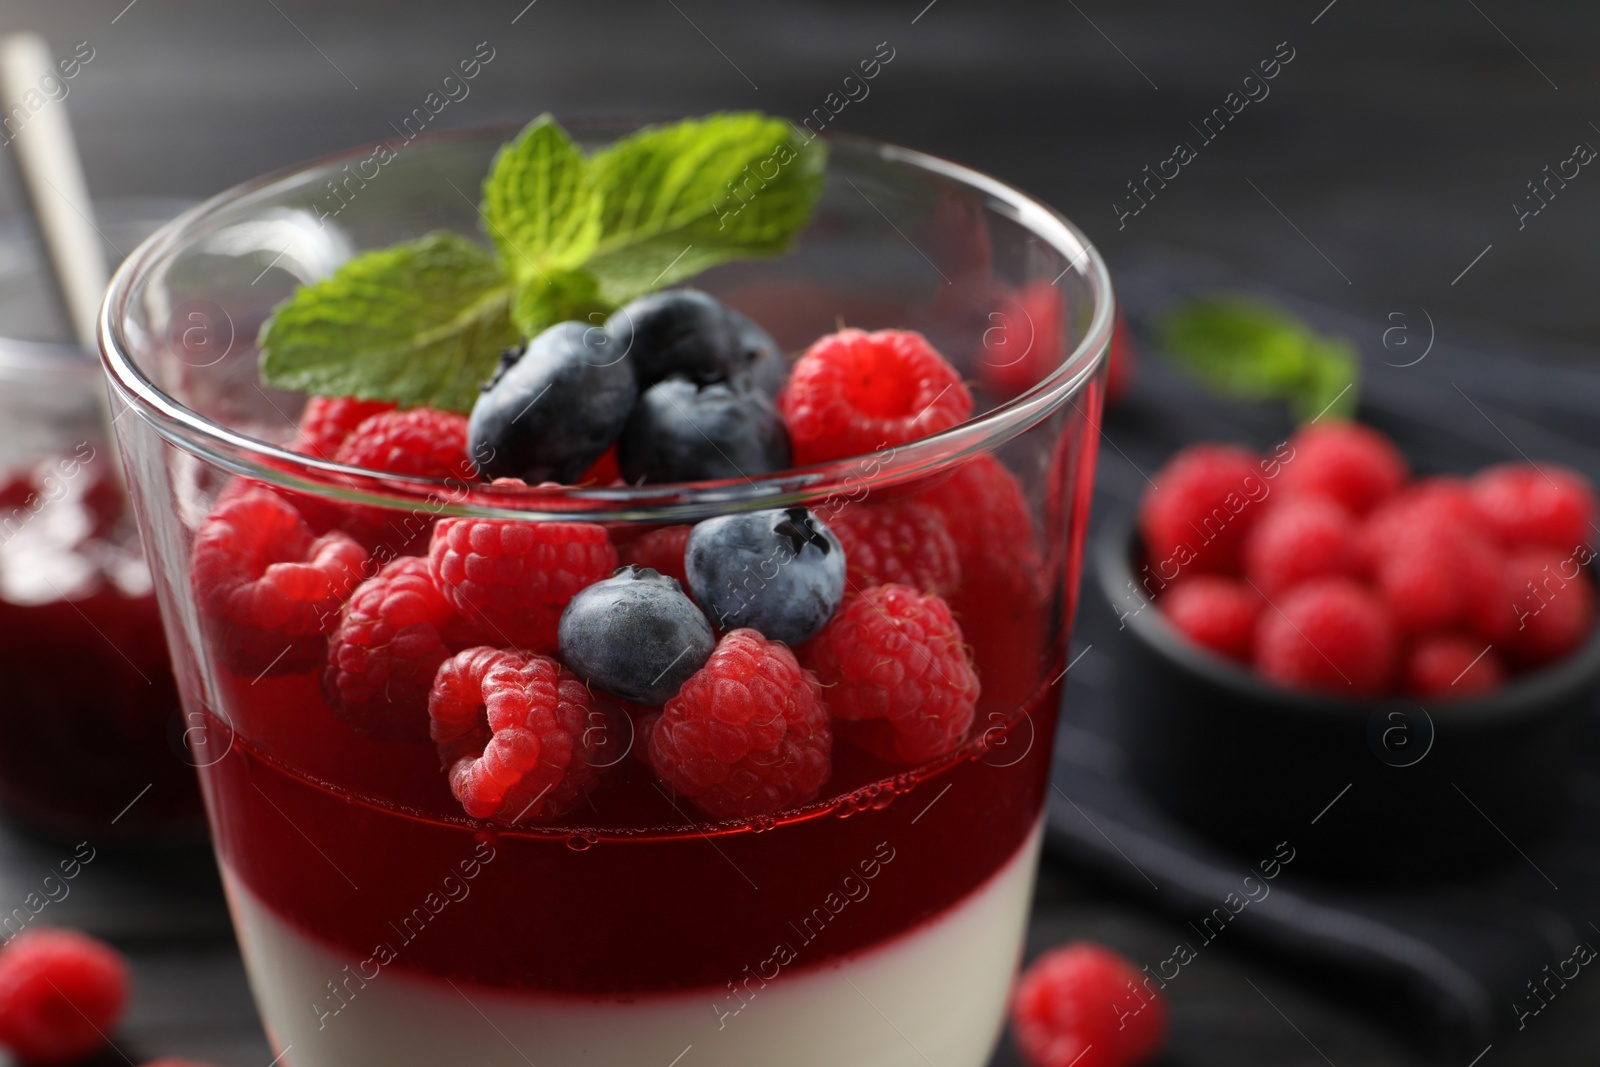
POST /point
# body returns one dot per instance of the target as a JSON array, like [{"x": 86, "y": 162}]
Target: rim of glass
[{"x": 275, "y": 465}]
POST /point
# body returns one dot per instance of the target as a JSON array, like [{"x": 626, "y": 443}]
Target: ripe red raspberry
[
  {"x": 1439, "y": 501},
  {"x": 516, "y": 577},
  {"x": 419, "y": 441},
  {"x": 1354, "y": 464},
  {"x": 1330, "y": 635},
  {"x": 269, "y": 588},
  {"x": 61, "y": 992},
  {"x": 395, "y": 632},
  {"x": 662, "y": 551},
  {"x": 855, "y": 392},
  {"x": 1553, "y": 606},
  {"x": 327, "y": 420},
  {"x": 1214, "y": 612},
  {"x": 1545, "y": 505},
  {"x": 893, "y": 655},
  {"x": 1022, "y": 341},
  {"x": 986, "y": 515},
  {"x": 1119, "y": 371},
  {"x": 605, "y": 470},
  {"x": 1083, "y": 1005},
  {"x": 1203, "y": 505},
  {"x": 1299, "y": 539},
  {"x": 514, "y": 732},
  {"x": 897, "y": 541},
  {"x": 1452, "y": 667},
  {"x": 746, "y": 735}
]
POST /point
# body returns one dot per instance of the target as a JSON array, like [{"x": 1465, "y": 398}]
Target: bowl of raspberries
[{"x": 1318, "y": 632}]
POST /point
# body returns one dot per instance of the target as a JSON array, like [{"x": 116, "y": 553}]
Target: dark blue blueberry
[
  {"x": 635, "y": 635},
  {"x": 764, "y": 364},
  {"x": 780, "y": 572},
  {"x": 683, "y": 432},
  {"x": 553, "y": 407},
  {"x": 677, "y": 331}
]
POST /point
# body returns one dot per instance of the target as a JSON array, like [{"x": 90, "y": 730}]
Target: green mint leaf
[
  {"x": 542, "y": 302},
  {"x": 420, "y": 323},
  {"x": 681, "y": 198},
  {"x": 539, "y": 202},
  {"x": 1249, "y": 350}
]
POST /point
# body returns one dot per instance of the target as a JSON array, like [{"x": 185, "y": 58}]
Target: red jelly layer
[{"x": 616, "y": 910}]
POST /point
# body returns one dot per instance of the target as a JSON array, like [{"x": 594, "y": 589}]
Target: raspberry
[
  {"x": 1553, "y": 605},
  {"x": 855, "y": 392},
  {"x": 1527, "y": 505},
  {"x": 1300, "y": 539},
  {"x": 897, "y": 541},
  {"x": 986, "y": 515},
  {"x": 1022, "y": 343},
  {"x": 272, "y": 590},
  {"x": 327, "y": 420},
  {"x": 1437, "y": 575},
  {"x": 1083, "y": 1005},
  {"x": 662, "y": 551},
  {"x": 895, "y": 655},
  {"x": 1214, "y": 612},
  {"x": 516, "y": 577},
  {"x": 420, "y": 441},
  {"x": 1330, "y": 635},
  {"x": 513, "y": 731},
  {"x": 394, "y": 634},
  {"x": 605, "y": 470},
  {"x": 1441, "y": 500},
  {"x": 1452, "y": 667},
  {"x": 746, "y": 735},
  {"x": 1203, "y": 505},
  {"x": 1354, "y": 464},
  {"x": 60, "y": 993}
]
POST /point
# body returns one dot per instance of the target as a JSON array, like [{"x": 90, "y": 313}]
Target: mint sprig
[
  {"x": 1246, "y": 349},
  {"x": 572, "y": 236}
]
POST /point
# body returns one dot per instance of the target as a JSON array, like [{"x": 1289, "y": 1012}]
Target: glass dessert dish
[
  {"x": 90, "y": 726},
  {"x": 874, "y": 919}
]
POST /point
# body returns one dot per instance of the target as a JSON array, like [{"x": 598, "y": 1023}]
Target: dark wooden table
[{"x": 1378, "y": 175}]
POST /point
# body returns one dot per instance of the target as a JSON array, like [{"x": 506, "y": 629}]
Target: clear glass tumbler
[{"x": 880, "y": 923}]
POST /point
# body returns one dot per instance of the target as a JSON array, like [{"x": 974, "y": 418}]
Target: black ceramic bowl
[{"x": 1390, "y": 785}]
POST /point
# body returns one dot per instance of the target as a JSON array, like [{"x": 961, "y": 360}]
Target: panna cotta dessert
[{"x": 589, "y": 676}]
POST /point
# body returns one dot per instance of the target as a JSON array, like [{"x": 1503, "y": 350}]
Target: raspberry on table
[
  {"x": 1300, "y": 538},
  {"x": 1527, "y": 505},
  {"x": 896, "y": 655},
  {"x": 271, "y": 589},
  {"x": 326, "y": 421},
  {"x": 61, "y": 992},
  {"x": 514, "y": 733},
  {"x": 986, "y": 515},
  {"x": 661, "y": 550},
  {"x": 1214, "y": 612},
  {"x": 746, "y": 735},
  {"x": 1203, "y": 505},
  {"x": 1329, "y": 635},
  {"x": 897, "y": 541},
  {"x": 1553, "y": 606},
  {"x": 855, "y": 392},
  {"x": 1083, "y": 1005},
  {"x": 516, "y": 577},
  {"x": 1452, "y": 667},
  {"x": 1353, "y": 464},
  {"x": 393, "y": 635}
]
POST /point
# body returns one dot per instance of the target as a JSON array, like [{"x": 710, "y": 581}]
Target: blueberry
[
  {"x": 635, "y": 635},
  {"x": 553, "y": 407},
  {"x": 677, "y": 331},
  {"x": 764, "y": 364},
  {"x": 780, "y": 572},
  {"x": 683, "y": 432}
]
